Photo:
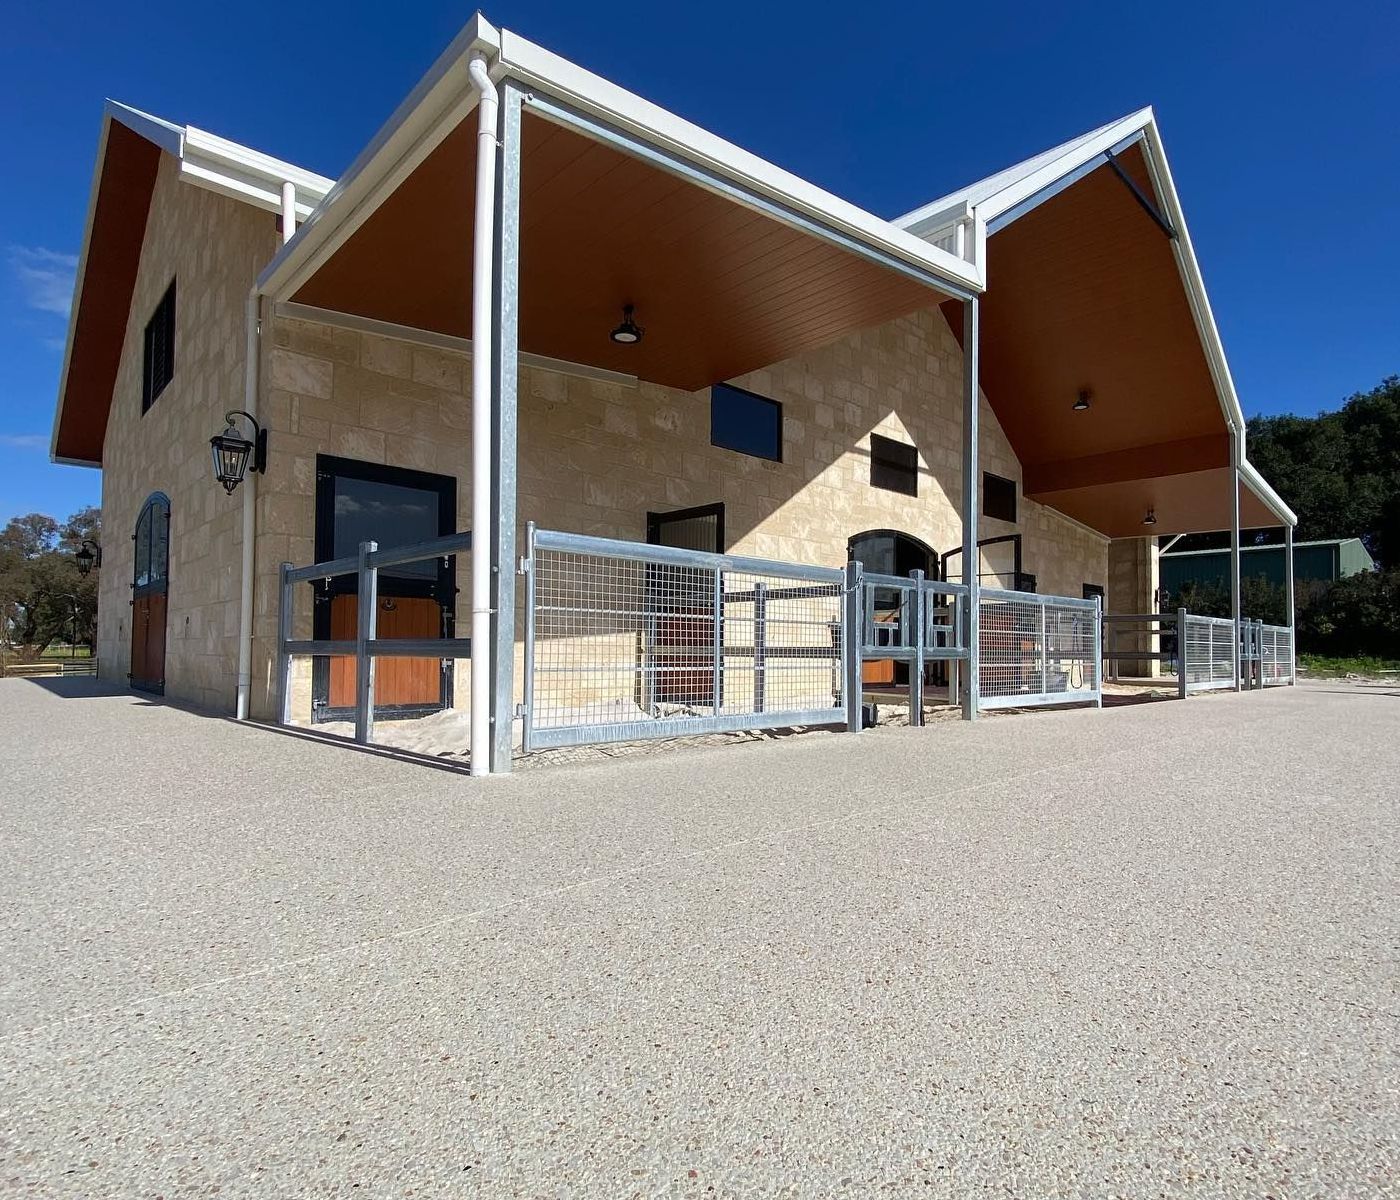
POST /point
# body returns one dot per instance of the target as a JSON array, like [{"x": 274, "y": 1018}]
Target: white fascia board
[
  {"x": 1196, "y": 294},
  {"x": 592, "y": 94},
  {"x": 440, "y": 99},
  {"x": 249, "y": 175},
  {"x": 78, "y": 278},
  {"x": 1048, "y": 165},
  {"x": 1266, "y": 494},
  {"x": 1001, "y": 193},
  {"x": 159, "y": 132}
]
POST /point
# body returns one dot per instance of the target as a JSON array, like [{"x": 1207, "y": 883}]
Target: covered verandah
[{"x": 591, "y": 201}]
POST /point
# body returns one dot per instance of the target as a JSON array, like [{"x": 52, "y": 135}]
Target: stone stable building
[{"x": 788, "y": 379}]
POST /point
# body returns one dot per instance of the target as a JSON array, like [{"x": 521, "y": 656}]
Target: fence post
[
  {"x": 760, "y": 644},
  {"x": 851, "y": 637},
  {"x": 1181, "y": 653},
  {"x": 1044, "y": 650},
  {"x": 953, "y": 674},
  {"x": 916, "y": 668},
  {"x": 717, "y": 636},
  {"x": 282, "y": 714},
  {"x": 527, "y": 707},
  {"x": 368, "y": 612},
  {"x": 1098, "y": 652}
]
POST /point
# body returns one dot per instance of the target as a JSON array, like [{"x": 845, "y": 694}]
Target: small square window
[
  {"x": 158, "y": 349},
  {"x": 746, "y": 423},
  {"x": 894, "y": 466},
  {"x": 998, "y": 497}
]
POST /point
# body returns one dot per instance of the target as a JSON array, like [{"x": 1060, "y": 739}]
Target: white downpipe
[
  {"x": 250, "y": 502},
  {"x": 483, "y": 238},
  {"x": 250, "y": 481}
]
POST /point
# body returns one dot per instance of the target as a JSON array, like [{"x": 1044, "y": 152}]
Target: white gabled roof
[
  {"x": 444, "y": 96},
  {"x": 223, "y": 166},
  {"x": 962, "y": 218},
  {"x": 989, "y": 198}
]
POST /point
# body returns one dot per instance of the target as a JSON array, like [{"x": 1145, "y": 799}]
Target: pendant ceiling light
[
  {"x": 1151, "y": 518},
  {"x": 629, "y": 333}
]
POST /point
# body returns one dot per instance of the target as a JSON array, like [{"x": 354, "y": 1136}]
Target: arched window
[
  {"x": 150, "y": 582},
  {"x": 151, "y": 567},
  {"x": 890, "y": 552}
]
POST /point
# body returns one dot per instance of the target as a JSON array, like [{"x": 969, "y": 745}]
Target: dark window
[
  {"x": 894, "y": 466},
  {"x": 742, "y": 421},
  {"x": 699, "y": 528},
  {"x": 998, "y": 497},
  {"x": 158, "y": 361},
  {"x": 151, "y": 563},
  {"x": 1093, "y": 589}
]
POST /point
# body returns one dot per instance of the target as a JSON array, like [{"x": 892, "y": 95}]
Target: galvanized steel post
[
  {"x": 972, "y": 477},
  {"x": 505, "y": 299},
  {"x": 366, "y": 624},
  {"x": 851, "y": 637},
  {"x": 916, "y": 668},
  {"x": 1181, "y": 653},
  {"x": 286, "y": 590}
]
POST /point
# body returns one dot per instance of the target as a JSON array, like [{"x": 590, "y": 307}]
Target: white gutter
[
  {"x": 252, "y": 352},
  {"x": 483, "y": 337}
]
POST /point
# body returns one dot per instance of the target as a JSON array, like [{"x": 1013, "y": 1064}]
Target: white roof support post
[
  {"x": 972, "y": 478},
  {"x": 1235, "y": 552},
  {"x": 483, "y": 339},
  {"x": 252, "y": 348},
  {"x": 504, "y": 426},
  {"x": 1289, "y": 602}
]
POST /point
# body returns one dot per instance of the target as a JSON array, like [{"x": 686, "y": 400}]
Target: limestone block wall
[
  {"x": 1133, "y": 583},
  {"x": 596, "y": 456},
  {"x": 213, "y": 248}
]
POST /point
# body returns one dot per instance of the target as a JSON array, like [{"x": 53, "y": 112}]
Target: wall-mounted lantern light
[
  {"x": 629, "y": 333},
  {"x": 232, "y": 450},
  {"x": 1151, "y": 518},
  {"x": 1081, "y": 403},
  {"x": 89, "y": 555}
]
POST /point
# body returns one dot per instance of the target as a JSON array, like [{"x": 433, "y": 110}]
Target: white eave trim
[
  {"x": 593, "y": 94},
  {"x": 444, "y": 97},
  {"x": 1267, "y": 496},
  {"x": 223, "y": 166},
  {"x": 249, "y": 175},
  {"x": 413, "y": 131},
  {"x": 1010, "y": 188}
]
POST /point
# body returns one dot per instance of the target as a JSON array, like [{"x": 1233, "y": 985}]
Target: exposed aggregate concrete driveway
[{"x": 1141, "y": 952}]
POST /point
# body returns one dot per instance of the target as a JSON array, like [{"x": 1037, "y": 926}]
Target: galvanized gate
[
  {"x": 1036, "y": 650},
  {"x": 626, "y": 641}
]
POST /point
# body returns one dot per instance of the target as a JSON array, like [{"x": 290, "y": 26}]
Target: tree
[
  {"x": 42, "y": 596},
  {"x": 1339, "y": 471}
]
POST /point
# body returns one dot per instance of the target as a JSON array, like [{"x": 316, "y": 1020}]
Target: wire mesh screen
[
  {"x": 628, "y": 641},
  {"x": 1035, "y": 650},
  {"x": 1209, "y": 658},
  {"x": 1276, "y": 665}
]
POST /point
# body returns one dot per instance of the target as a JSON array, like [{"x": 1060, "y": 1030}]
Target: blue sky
[{"x": 1280, "y": 121}]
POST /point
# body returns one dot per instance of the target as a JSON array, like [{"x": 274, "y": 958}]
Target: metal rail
[{"x": 366, "y": 647}]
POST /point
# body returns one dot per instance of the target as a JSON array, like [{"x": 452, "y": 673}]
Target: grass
[
  {"x": 65, "y": 652},
  {"x": 1322, "y": 665}
]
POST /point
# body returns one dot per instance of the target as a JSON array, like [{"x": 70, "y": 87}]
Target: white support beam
[{"x": 972, "y": 478}]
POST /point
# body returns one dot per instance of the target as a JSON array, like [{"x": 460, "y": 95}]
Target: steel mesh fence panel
[
  {"x": 1209, "y": 658},
  {"x": 627, "y": 641},
  {"x": 1036, "y": 650},
  {"x": 1277, "y": 649}
]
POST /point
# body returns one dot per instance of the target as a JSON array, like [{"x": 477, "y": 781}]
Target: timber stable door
[
  {"x": 363, "y": 502},
  {"x": 150, "y": 588}
]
